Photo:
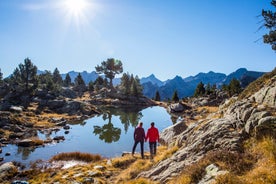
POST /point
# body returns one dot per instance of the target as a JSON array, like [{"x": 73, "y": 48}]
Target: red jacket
[{"x": 152, "y": 134}]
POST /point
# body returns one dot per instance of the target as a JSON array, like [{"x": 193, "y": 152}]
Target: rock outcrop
[{"x": 253, "y": 116}]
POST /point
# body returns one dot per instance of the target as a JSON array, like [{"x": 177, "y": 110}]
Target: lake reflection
[{"x": 108, "y": 134}]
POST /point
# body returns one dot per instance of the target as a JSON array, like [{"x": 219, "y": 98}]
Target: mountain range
[{"x": 185, "y": 87}]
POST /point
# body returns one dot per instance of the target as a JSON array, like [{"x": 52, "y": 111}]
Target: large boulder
[
  {"x": 177, "y": 107},
  {"x": 167, "y": 136},
  {"x": 267, "y": 95}
]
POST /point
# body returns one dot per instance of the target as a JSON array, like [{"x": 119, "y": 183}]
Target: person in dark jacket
[
  {"x": 153, "y": 137},
  {"x": 139, "y": 137}
]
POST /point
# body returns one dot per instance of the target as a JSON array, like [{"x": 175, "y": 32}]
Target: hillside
[{"x": 237, "y": 122}]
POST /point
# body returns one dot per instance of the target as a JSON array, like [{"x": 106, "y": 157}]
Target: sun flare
[{"x": 76, "y": 7}]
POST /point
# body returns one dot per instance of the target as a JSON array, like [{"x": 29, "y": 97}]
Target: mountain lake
[{"x": 108, "y": 134}]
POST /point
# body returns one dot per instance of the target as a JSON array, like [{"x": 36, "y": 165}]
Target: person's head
[
  {"x": 140, "y": 124},
  {"x": 152, "y": 124}
]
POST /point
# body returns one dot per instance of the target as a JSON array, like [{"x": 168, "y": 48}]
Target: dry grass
[
  {"x": 264, "y": 171},
  {"x": 235, "y": 163},
  {"x": 264, "y": 168},
  {"x": 86, "y": 157},
  {"x": 136, "y": 166}
]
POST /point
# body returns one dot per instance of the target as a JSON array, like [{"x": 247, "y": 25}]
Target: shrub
[{"x": 86, "y": 157}]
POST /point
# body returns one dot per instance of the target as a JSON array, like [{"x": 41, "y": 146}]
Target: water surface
[{"x": 108, "y": 134}]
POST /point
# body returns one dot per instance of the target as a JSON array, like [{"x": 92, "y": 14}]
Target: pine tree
[
  {"x": 46, "y": 80},
  {"x": 157, "y": 96},
  {"x": 91, "y": 86},
  {"x": 98, "y": 84},
  {"x": 110, "y": 68},
  {"x": 138, "y": 86},
  {"x": 270, "y": 23},
  {"x": 200, "y": 90},
  {"x": 175, "y": 97},
  {"x": 67, "y": 81},
  {"x": 25, "y": 75},
  {"x": 125, "y": 84},
  {"x": 234, "y": 87},
  {"x": 208, "y": 90},
  {"x": 79, "y": 81},
  {"x": 57, "y": 79}
]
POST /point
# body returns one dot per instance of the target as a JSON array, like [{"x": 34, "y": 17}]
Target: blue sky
[{"x": 161, "y": 37}]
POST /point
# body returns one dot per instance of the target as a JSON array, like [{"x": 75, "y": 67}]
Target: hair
[
  {"x": 152, "y": 124},
  {"x": 141, "y": 124}
]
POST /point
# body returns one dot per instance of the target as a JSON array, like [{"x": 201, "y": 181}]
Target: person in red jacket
[
  {"x": 153, "y": 137},
  {"x": 139, "y": 137}
]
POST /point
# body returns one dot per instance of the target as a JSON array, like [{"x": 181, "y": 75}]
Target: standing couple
[{"x": 140, "y": 136}]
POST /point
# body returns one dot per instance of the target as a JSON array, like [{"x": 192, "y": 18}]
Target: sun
[{"x": 75, "y": 7}]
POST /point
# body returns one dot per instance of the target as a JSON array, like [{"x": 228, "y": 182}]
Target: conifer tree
[
  {"x": 91, "y": 86},
  {"x": 25, "y": 75},
  {"x": 98, "y": 83},
  {"x": 175, "y": 97},
  {"x": 110, "y": 68},
  {"x": 270, "y": 23},
  {"x": 157, "y": 96},
  {"x": 67, "y": 81},
  {"x": 46, "y": 80},
  {"x": 79, "y": 81},
  {"x": 234, "y": 87},
  {"x": 200, "y": 90},
  {"x": 125, "y": 84},
  {"x": 57, "y": 79}
]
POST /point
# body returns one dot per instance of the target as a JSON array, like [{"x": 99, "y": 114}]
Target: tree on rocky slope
[
  {"x": 80, "y": 84},
  {"x": 270, "y": 23},
  {"x": 57, "y": 77},
  {"x": 200, "y": 90},
  {"x": 157, "y": 96},
  {"x": 67, "y": 81},
  {"x": 175, "y": 97},
  {"x": 46, "y": 80},
  {"x": 25, "y": 75},
  {"x": 130, "y": 85},
  {"x": 110, "y": 68}
]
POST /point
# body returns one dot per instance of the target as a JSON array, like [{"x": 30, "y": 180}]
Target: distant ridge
[{"x": 184, "y": 86}]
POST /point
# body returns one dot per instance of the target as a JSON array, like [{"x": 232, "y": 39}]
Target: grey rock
[
  {"x": 26, "y": 143},
  {"x": 167, "y": 135},
  {"x": 7, "y": 169},
  {"x": 267, "y": 95},
  {"x": 212, "y": 171},
  {"x": 16, "y": 109},
  {"x": 177, "y": 107}
]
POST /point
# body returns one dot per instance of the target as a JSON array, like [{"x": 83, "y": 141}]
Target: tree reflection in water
[
  {"x": 25, "y": 151},
  {"x": 128, "y": 117},
  {"x": 108, "y": 132}
]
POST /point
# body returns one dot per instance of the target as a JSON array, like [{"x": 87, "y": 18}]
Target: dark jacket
[{"x": 139, "y": 134}]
